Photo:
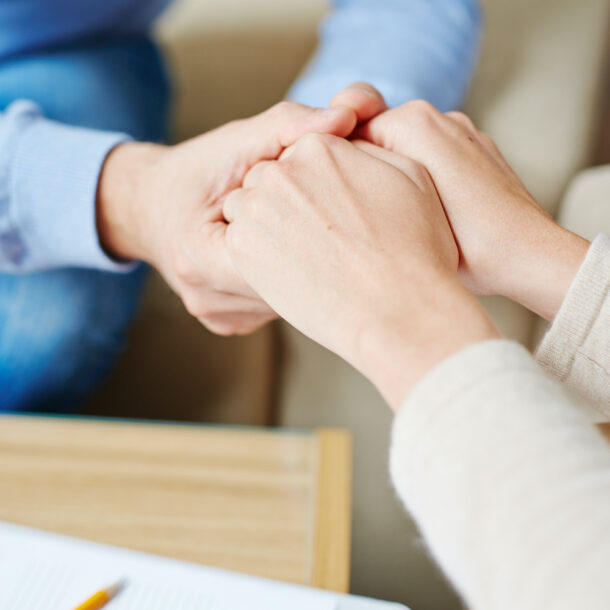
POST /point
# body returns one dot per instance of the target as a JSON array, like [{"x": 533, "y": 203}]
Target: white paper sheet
[{"x": 42, "y": 571}]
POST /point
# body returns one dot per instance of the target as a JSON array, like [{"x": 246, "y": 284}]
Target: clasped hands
[{"x": 371, "y": 246}]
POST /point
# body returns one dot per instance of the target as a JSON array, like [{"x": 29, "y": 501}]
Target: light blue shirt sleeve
[
  {"x": 48, "y": 186},
  {"x": 408, "y": 49},
  {"x": 49, "y": 171}
]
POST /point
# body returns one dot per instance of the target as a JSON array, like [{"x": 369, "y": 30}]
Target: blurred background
[{"x": 540, "y": 92}]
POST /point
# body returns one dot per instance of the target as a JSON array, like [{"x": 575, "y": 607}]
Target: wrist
[
  {"x": 398, "y": 348},
  {"x": 546, "y": 269},
  {"x": 122, "y": 205}
]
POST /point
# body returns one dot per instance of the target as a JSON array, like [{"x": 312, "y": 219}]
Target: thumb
[
  {"x": 363, "y": 98},
  {"x": 384, "y": 130},
  {"x": 240, "y": 145},
  {"x": 414, "y": 129},
  {"x": 266, "y": 135}
]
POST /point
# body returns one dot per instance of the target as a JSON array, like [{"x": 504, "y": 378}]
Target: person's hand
[
  {"x": 366, "y": 101},
  {"x": 164, "y": 204},
  {"x": 508, "y": 244},
  {"x": 353, "y": 248}
]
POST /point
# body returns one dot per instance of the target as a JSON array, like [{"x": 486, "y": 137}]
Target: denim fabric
[
  {"x": 33, "y": 25},
  {"x": 61, "y": 330}
]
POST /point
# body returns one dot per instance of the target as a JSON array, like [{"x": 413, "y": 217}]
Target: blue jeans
[{"x": 61, "y": 331}]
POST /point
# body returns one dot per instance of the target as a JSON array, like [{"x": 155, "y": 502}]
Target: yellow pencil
[{"x": 101, "y": 598}]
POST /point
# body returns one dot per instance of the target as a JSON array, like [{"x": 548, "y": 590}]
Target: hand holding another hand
[
  {"x": 358, "y": 244},
  {"x": 508, "y": 244},
  {"x": 353, "y": 248},
  {"x": 163, "y": 204}
]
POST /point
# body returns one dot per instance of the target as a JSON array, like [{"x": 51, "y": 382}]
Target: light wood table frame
[{"x": 268, "y": 502}]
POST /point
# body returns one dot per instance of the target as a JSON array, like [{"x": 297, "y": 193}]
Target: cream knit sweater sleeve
[
  {"x": 508, "y": 482},
  {"x": 576, "y": 349}
]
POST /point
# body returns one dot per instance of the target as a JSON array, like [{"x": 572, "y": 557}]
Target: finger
[
  {"x": 496, "y": 153},
  {"x": 411, "y": 168},
  {"x": 234, "y": 315},
  {"x": 314, "y": 150},
  {"x": 244, "y": 143},
  {"x": 206, "y": 303},
  {"x": 350, "y": 154},
  {"x": 220, "y": 275},
  {"x": 407, "y": 130},
  {"x": 488, "y": 145},
  {"x": 399, "y": 161},
  {"x": 228, "y": 279},
  {"x": 252, "y": 178},
  {"x": 463, "y": 120},
  {"x": 287, "y": 152},
  {"x": 232, "y": 203},
  {"x": 363, "y": 98},
  {"x": 466, "y": 128},
  {"x": 236, "y": 324},
  {"x": 339, "y": 121},
  {"x": 286, "y": 122},
  {"x": 219, "y": 304}
]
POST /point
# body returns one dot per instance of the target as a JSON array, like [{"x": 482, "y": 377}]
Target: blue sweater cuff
[{"x": 53, "y": 179}]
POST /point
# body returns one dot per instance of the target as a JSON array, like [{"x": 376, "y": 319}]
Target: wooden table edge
[{"x": 332, "y": 538}]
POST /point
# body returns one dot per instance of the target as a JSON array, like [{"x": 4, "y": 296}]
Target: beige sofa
[{"x": 537, "y": 92}]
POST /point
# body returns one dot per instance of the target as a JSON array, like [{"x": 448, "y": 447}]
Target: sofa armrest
[{"x": 585, "y": 208}]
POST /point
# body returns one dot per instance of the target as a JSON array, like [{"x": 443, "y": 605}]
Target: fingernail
[{"x": 364, "y": 90}]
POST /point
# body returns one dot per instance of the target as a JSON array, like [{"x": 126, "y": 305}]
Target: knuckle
[
  {"x": 235, "y": 239},
  {"x": 274, "y": 170},
  {"x": 184, "y": 268},
  {"x": 222, "y": 329},
  {"x": 227, "y": 326},
  {"x": 415, "y": 172},
  {"x": 460, "y": 116},
  {"x": 315, "y": 143},
  {"x": 465, "y": 121},
  {"x": 230, "y": 200},
  {"x": 420, "y": 116},
  {"x": 273, "y": 175},
  {"x": 197, "y": 307},
  {"x": 421, "y": 109},
  {"x": 419, "y": 172},
  {"x": 487, "y": 140},
  {"x": 283, "y": 109}
]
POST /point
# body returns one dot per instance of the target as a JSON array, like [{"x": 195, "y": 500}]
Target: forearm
[
  {"x": 425, "y": 328},
  {"x": 48, "y": 182},
  {"x": 408, "y": 49},
  {"x": 542, "y": 267},
  {"x": 507, "y": 481}
]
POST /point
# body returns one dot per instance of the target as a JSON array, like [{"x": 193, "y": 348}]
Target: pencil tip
[{"x": 115, "y": 588}]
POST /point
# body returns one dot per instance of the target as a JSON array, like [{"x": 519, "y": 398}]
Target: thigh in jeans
[{"x": 61, "y": 331}]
